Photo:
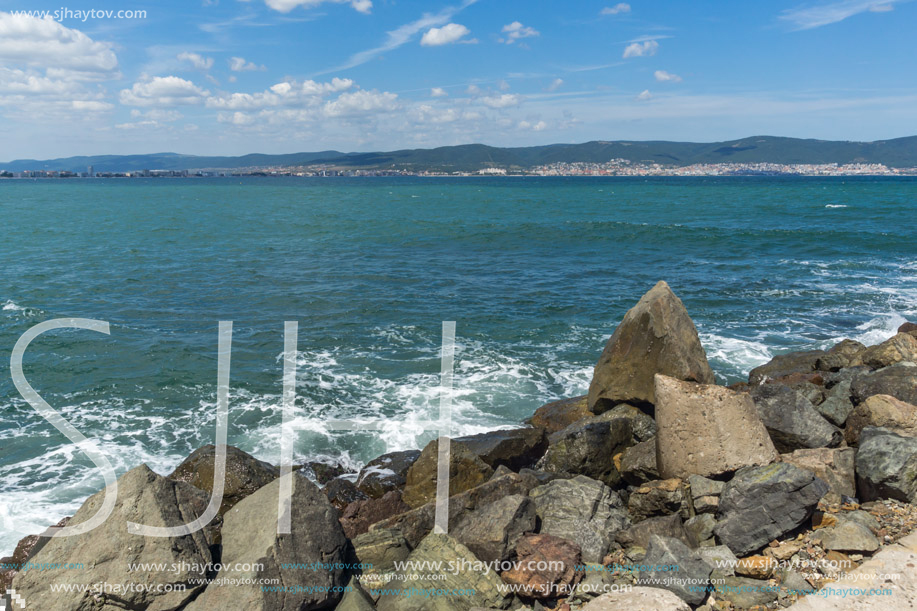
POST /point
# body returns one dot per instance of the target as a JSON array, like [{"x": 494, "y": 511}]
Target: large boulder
[
  {"x": 25, "y": 549},
  {"x": 513, "y": 448},
  {"x": 834, "y": 466},
  {"x": 886, "y": 466},
  {"x": 901, "y": 347},
  {"x": 638, "y": 599},
  {"x": 844, "y": 354},
  {"x": 254, "y": 551},
  {"x": 791, "y": 419},
  {"x": 381, "y": 548},
  {"x": 899, "y": 381},
  {"x": 588, "y": 448},
  {"x": 883, "y": 411},
  {"x": 761, "y": 504},
  {"x": 848, "y": 536},
  {"x": 386, "y": 473},
  {"x": 358, "y": 516},
  {"x": 656, "y": 336},
  {"x": 582, "y": 510},
  {"x": 707, "y": 430},
  {"x": 492, "y": 531},
  {"x": 106, "y": 551},
  {"x": 785, "y": 364},
  {"x": 558, "y": 415},
  {"x": 675, "y": 567},
  {"x": 244, "y": 473},
  {"x": 643, "y": 425},
  {"x": 547, "y": 567},
  {"x": 466, "y": 470}
]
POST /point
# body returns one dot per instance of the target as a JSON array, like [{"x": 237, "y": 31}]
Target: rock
[
  {"x": 863, "y": 518},
  {"x": 700, "y": 530},
  {"x": 638, "y": 463},
  {"x": 244, "y": 473},
  {"x": 643, "y": 425},
  {"x": 536, "y": 571},
  {"x": 501, "y": 471},
  {"x": 513, "y": 448},
  {"x": 587, "y": 448},
  {"x": 886, "y": 466},
  {"x": 342, "y": 492},
  {"x": 837, "y": 404},
  {"x": 558, "y": 415},
  {"x": 705, "y": 493},
  {"x": 883, "y": 411},
  {"x": 785, "y": 364},
  {"x": 104, "y": 552},
  {"x": 386, "y": 473},
  {"x": 791, "y": 420},
  {"x": 721, "y": 560},
  {"x": 581, "y": 510},
  {"x": 761, "y": 504},
  {"x": 707, "y": 430},
  {"x": 322, "y": 473},
  {"x": 638, "y": 535},
  {"x": 899, "y": 381},
  {"x": 25, "y": 549},
  {"x": 250, "y": 539},
  {"x": 658, "y": 498},
  {"x": 481, "y": 588},
  {"x": 542, "y": 477},
  {"x": 848, "y": 536},
  {"x": 901, "y": 347},
  {"x": 638, "y": 599},
  {"x": 907, "y": 327},
  {"x": 692, "y": 570},
  {"x": 358, "y": 516},
  {"x": 381, "y": 548},
  {"x": 785, "y": 550},
  {"x": 756, "y": 567},
  {"x": 792, "y": 583},
  {"x": 591, "y": 585},
  {"x": 845, "y": 354},
  {"x": 746, "y": 593},
  {"x": 834, "y": 466},
  {"x": 492, "y": 531},
  {"x": 355, "y": 599},
  {"x": 656, "y": 336},
  {"x": 466, "y": 471}
]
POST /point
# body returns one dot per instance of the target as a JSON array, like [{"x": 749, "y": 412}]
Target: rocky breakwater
[{"x": 657, "y": 490}]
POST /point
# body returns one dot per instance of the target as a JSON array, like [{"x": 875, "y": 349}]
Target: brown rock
[
  {"x": 908, "y": 327},
  {"x": 707, "y": 430},
  {"x": 901, "y": 347},
  {"x": 835, "y": 466},
  {"x": 466, "y": 470},
  {"x": 785, "y": 550},
  {"x": 25, "y": 549},
  {"x": 885, "y": 411},
  {"x": 358, "y": 516},
  {"x": 756, "y": 567},
  {"x": 847, "y": 353},
  {"x": 656, "y": 336},
  {"x": 558, "y": 415},
  {"x": 659, "y": 498},
  {"x": 785, "y": 364},
  {"x": 536, "y": 551},
  {"x": 823, "y": 520}
]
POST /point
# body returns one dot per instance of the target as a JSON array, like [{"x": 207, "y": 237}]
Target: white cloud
[
  {"x": 448, "y": 34},
  {"x": 502, "y": 101},
  {"x": 617, "y": 9},
  {"x": 361, "y": 102},
  {"x": 284, "y": 94},
  {"x": 196, "y": 60},
  {"x": 438, "y": 92},
  {"x": 808, "y": 17},
  {"x": 285, "y": 6},
  {"x": 515, "y": 30},
  {"x": 641, "y": 49},
  {"x": 473, "y": 90},
  {"x": 666, "y": 77},
  {"x": 45, "y": 43},
  {"x": 238, "y": 64},
  {"x": 555, "y": 84},
  {"x": 644, "y": 96},
  {"x": 163, "y": 91}
]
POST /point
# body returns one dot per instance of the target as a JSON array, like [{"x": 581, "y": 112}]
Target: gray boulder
[
  {"x": 691, "y": 569},
  {"x": 899, "y": 381},
  {"x": 386, "y": 473},
  {"x": 705, "y": 493},
  {"x": 700, "y": 530},
  {"x": 643, "y": 425},
  {"x": 491, "y": 532},
  {"x": 720, "y": 558},
  {"x": 381, "y": 548},
  {"x": 588, "y": 447},
  {"x": 886, "y": 466},
  {"x": 848, "y": 536},
  {"x": 638, "y": 535},
  {"x": 791, "y": 419},
  {"x": 638, "y": 463},
  {"x": 784, "y": 365},
  {"x": 745, "y": 593},
  {"x": 837, "y": 404},
  {"x": 513, "y": 448}
]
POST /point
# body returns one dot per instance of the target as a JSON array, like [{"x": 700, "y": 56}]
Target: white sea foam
[
  {"x": 835, "y": 205},
  {"x": 733, "y": 352}
]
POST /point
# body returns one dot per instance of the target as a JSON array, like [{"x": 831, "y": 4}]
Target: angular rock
[
  {"x": 250, "y": 539},
  {"x": 901, "y": 347},
  {"x": 145, "y": 498},
  {"x": 642, "y": 424},
  {"x": 342, "y": 492},
  {"x": 707, "y": 430},
  {"x": 705, "y": 493},
  {"x": 659, "y": 498},
  {"x": 791, "y": 419},
  {"x": 25, "y": 549},
  {"x": 834, "y": 466},
  {"x": 784, "y": 365},
  {"x": 886, "y": 466},
  {"x": 358, "y": 516},
  {"x": 581, "y": 510},
  {"x": 466, "y": 470},
  {"x": 667, "y": 552},
  {"x": 899, "y": 381},
  {"x": 638, "y": 599},
  {"x": 244, "y": 473},
  {"x": 638, "y": 535},
  {"x": 700, "y": 530},
  {"x": 720, "y": 558},
  {"x": 588, "y": 447},
  {"x": 761, "y": 504},
  {"x": 656, "y": 336},
  {"x": 381, "y": 548},
  {"x": 491, "y": 532},
  {"x": 745, "y": 593},
  {"x": 537, "y": 551},
  {"x": 837, "y": 405},
  {"x": 513, "y": 448},
  {"x": 558, "y": 415},
  {"x": 355, "y": 599},
  {"x": 386, "y": 473},
  {"x": 844, "y": 354},
  {"x": 848, "y": 536},
  {"x": 756, "y": 567},
  {"x": 883, "y": 411},
  {"x": 322, "y": 473},
  {"x": 638, "y": 463}
]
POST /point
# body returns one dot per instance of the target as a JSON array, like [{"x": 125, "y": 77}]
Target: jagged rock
[
  {"x": 720, "y": 558},
  {"x": 250, "y": 539},
  {"x": 588, "y": 447},
  {"x": 501, "y": 471},
  {"x": 638, "y": 599},
  {"x": 638, "y": 463},
  {"x": 355, "y": 599},
  {"x": 466, "y": 470},
  {"x": 492, "y": 531},
  {"x": 700, "y": 530},
  {"x": 642, "y": 424},
  {"x": 705, "y": 493},
  {"x": 707, "y": 430},
  {"x": 886, "y": 466},
  {"x": 901, "y": 347},
  {"x": 784, "y": 365},
  {"x": 658, "y": 498},
  {"x": 745, "y": 593},
  {"x": 883, "y": 411},
  {"x": 791, "y": 419},
  {"x": 899, "y": 381},
  {"x": 513, "y": 448},
  {"x": 386, "y": 473},
  {"x": 358, "y": 516},
  {"x": 638, "y": 535},
  {"x": 322, "y": 473},
  {"x": 558, "y": 415},
  {"x": 656, "y": 336},
  {"x": 381, "y": 548},
  {"x": 537, "y": 551},
  {"x": 581, "y": 510},
  {"x": 848, "y": 536},
  {"x": 665, "y": 551},
  {"x": 834, "y": 466},
  {"x": 104, "y": 552},
  {"x": 434, "y": 548},
  {"x": 837, "y": 404},
  {"x": 761, "y": 504},
  {"x": 342, "y": 492},
  {"x": 844, "y": 354},
  {"x": 244, "y": 473}
]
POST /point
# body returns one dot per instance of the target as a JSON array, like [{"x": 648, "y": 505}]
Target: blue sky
[{"x": 277, "y": 76}]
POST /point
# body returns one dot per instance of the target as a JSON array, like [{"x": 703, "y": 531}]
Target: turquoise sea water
[{"x": 536, "y": 273}]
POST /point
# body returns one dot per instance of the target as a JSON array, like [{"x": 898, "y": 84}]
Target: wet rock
[
  {"x": 358, "y": 516},
  {"x": 784, "y": 365},
  {"x": 658, "y": 498},
  {"x": 848, "y": 536},
  {"x": 761, "y": 504},
  {"x": 638, "y": 599},
  {"x": 834, "y": 466},
  {"x": 466, "y": 470},
  {"x": 381, "y": 548},
  {"x": 901, "y": 347},
  {"x": 837, "y": 404},
  {"x": 705, "y": 493},
  {"x": 844, "y": 354},
  {"x": 321, "y": 472},
  {"x": 899, "y": 381},
  {"x": 886, "y": 466},
  {"x": 883, "y": 411},
  {"x": 491, "y": 532},
  {"x": 638, "y": 535},
  {"x": 342, "y": 492},
  {"x": 638, "y": 463},
  {"x": 707, "y": 430},
  {"x": 656, "y": 336},
  {"x": 745, "y": 593},
  {"x": 536, "y": 551},
  {"x": 700, "y": 530},
  {"x": 558, "y": 415},
  {"x": 791, "y": 419},
  {"x": 386, "y": 473},
  {"x": 513, "y": 448},
  {"x": 667, "y": 552},
  {"x": 588, "y": 447}
]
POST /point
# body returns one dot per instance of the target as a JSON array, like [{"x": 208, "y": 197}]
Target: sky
[{"x": 230, "y": 77}]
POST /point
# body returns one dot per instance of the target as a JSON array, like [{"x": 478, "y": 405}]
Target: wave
[{"x": 836, "y": 206}]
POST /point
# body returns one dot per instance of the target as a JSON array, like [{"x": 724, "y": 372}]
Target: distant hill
[{"x": 899, "y": 152}]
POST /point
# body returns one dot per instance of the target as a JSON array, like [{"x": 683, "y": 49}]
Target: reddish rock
[
  {"x": 534, "y": 551},
  {"x": 358, "y": 516}
]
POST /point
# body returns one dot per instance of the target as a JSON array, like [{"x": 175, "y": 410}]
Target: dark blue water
[{"x": 536, "y": 272}]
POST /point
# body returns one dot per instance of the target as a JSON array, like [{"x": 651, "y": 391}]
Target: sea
[{"x": 535, "y": 272}]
